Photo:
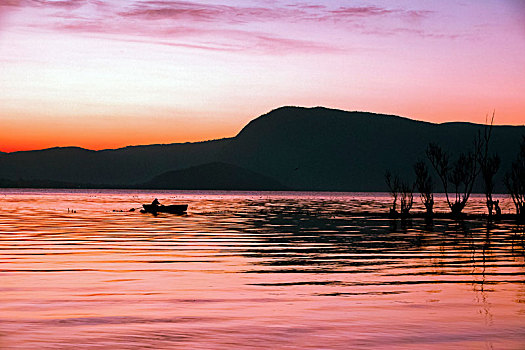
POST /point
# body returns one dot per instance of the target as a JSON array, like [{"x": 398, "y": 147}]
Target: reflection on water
[{"x": 253, "y": 270}]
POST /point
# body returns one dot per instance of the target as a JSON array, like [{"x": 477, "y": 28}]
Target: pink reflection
[{"x": 254, "y": 270}]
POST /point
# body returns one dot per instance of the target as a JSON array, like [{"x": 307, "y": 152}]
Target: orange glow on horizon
[
  {"x": 40, "y": 138},
  {"x": 31, "y": 135}
]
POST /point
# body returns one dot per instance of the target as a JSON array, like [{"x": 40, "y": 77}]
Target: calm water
[{"x": 254, "y": 271}]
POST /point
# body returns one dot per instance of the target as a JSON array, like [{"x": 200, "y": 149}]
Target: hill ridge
[
  {"x": 288, "y": 107},
  {"x": 314, "y": 148},
  {"x": 213, "y": 176}
]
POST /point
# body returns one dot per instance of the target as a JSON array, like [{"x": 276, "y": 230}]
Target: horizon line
[{"x": 260, "y": 116}]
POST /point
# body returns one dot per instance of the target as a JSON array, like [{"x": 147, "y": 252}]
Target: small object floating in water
[{"x": 155, "y": 207}]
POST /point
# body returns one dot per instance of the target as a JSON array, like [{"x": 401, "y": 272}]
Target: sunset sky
[{"x": 105, "y": 74}]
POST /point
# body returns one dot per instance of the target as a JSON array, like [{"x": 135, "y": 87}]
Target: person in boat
[{"x": 156, "y": 203}]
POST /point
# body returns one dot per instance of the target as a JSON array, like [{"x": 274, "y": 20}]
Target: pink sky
[{"x": 104, "y": 74}]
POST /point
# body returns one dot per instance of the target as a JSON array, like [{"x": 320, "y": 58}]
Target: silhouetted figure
[
  {"x": 155, "y": 202},
  {"x": 497, "y": 208}
]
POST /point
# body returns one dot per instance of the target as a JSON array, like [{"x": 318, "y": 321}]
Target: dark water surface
[{"x": 253, "y": 271}]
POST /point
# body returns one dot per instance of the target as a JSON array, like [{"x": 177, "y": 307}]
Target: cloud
[
  {"x": 224, "y": 26},
  {"x": 198, "y": 11},
  {"x": 7, "y": 6},
  {"x": 365, "y": 11},
  {"x": 195, "y": 11},
  {"x": 342, "y": 14},
  {"x": 277, "y": 45},
  {"x": 411, "y": 31},
  {"x": 191, "y": 10},
  {"x": 182, "y": 24},
  {"x": 172, "y": 10},
  {"x": 67, "y": 4},
  {"x": 6, "y": 3},
  {"x": 235, "y": 41}
]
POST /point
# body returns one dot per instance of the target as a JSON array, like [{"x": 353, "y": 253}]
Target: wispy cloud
[
  {"x": 224, "y": 26},
  {"x": 374, "y": 11},
  {"x": 66, "y": 4},
  {"x": 195, "y": 11},
  {"x": 157, "y": 10},
  {"x": 386, "y": 32},
  {"x": 352, "y": 13},
  {"x": 276, "y": 45},
  {"x": 6, "y": 3},
  {"x": 230, "y": 41},
  {"x": 364, "y": 11}
]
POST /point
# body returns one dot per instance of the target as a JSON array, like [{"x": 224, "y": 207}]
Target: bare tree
[
  {"x": 489, "y": 165},
  {"x": 425, "y": 186},
  {"x": 407, "y": 197},
  {"x": 461, "y": 175},
  {"x": 393, "y": 184},
  {"x": 515, "y": 181},
  {"x": 464, "y": 172},
  {"x": 489, "y": 168}
]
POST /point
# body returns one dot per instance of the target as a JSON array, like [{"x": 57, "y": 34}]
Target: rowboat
[{"x": 171, "y": 209}]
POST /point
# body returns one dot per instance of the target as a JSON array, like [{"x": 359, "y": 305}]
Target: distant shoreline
[
  {"x": 289, "y": 148},
  {"x": 127, "y": 188}
]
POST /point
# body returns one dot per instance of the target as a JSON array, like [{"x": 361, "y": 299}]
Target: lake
[{"x": 253, "y": 270}]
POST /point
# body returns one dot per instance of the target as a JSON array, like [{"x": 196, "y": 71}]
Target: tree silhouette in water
[
  {"x": 393, "y": 183},
  {"x": 515, "y": 181},
  {"x": 407, "y": 197},
  {"x": 402, "y": 189},
  {"x": 425, "y": 186},
  {"x": 461, "y": 174},
  {"x": 489, "y": 165}
]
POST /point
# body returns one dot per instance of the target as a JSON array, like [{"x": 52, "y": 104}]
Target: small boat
[{"x": 171, "y": 209}]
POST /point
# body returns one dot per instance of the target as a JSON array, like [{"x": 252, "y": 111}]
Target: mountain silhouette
[
  {"x": 300, "y": 148},
  {"x": 113, "y": 167},
  {"x": 213, "y": 176}
]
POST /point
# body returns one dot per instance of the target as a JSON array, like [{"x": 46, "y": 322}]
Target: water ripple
[{"x": 253, "y": 270}]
